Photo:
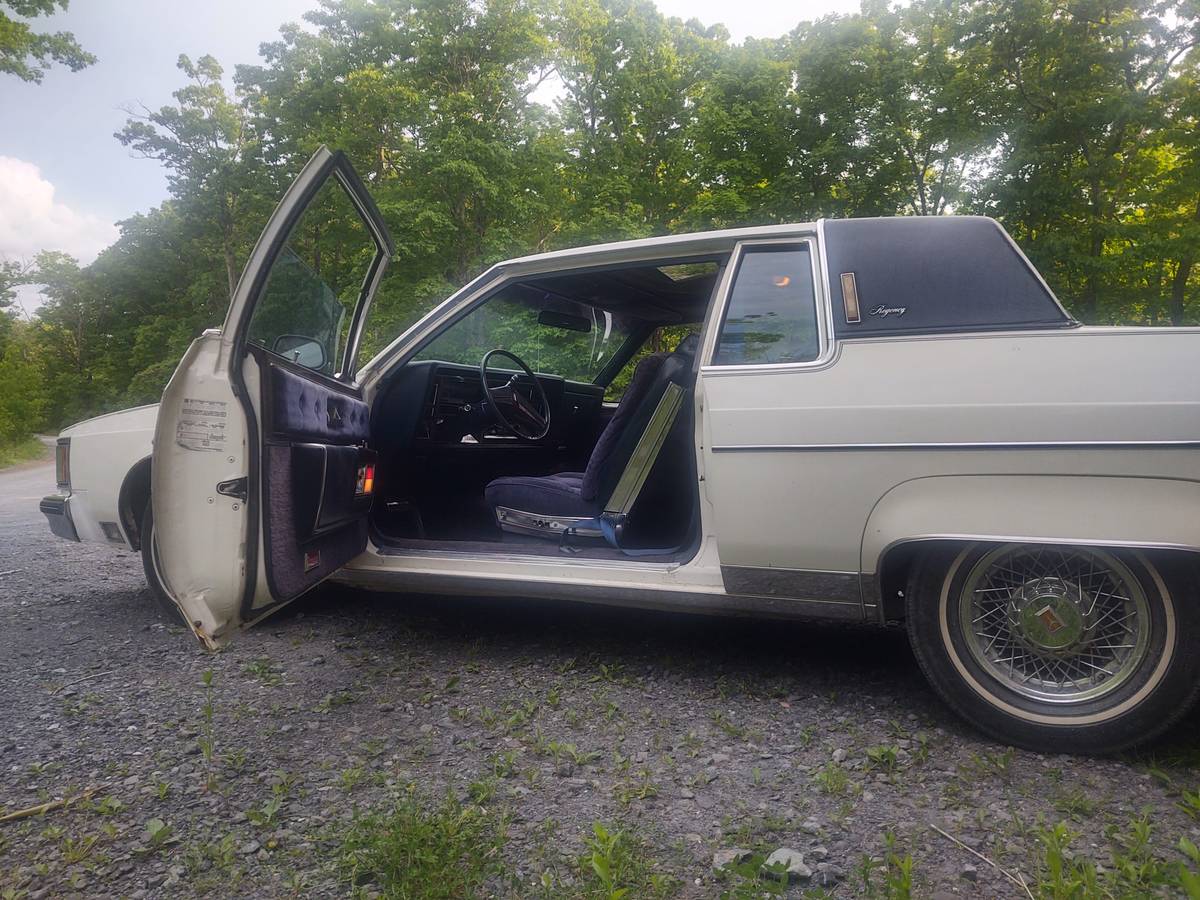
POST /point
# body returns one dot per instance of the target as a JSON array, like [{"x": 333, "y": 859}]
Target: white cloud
[{"x": 31, "y": 219}]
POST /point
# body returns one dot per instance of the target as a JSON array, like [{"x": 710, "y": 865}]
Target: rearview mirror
[
  {"x": 301, "y": 350},
  {"x": 565, "y": 321}
]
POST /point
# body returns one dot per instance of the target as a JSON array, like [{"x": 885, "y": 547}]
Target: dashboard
[{"x": 438, "y": 404}]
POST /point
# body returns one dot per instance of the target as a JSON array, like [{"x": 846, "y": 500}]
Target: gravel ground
[{"x": 693, "y": 736}]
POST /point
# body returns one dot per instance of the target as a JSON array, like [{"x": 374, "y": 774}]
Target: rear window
[{"x": 771, "y": 316}]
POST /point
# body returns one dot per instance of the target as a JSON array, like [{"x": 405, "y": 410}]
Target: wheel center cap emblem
[
  {"x": 1052, "y": 622},
  {"x": 1050, "y": 619}
]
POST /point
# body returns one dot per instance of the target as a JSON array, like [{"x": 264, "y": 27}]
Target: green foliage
[
  {"x": 22, "y": 396},
  {"x": 1134, "y": 869},
  {"x": 1078, "y": 127},
  {"x": 895, "y": 881},
  {"x": 444, "y": 850},
  {"x": 27, "y": 53},
  {"x": 616, "y": 866},
  {"x": 158, "y": 834},
  {"x": 21, "y": 450}
]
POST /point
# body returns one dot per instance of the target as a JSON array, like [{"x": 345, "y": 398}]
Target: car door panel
[{"x": 315, "y": 435}]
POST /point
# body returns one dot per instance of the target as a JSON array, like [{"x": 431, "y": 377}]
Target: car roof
[{"x": 667, "y": 246}]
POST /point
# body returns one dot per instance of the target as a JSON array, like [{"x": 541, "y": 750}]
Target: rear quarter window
[{"x": 771, "y": 316}]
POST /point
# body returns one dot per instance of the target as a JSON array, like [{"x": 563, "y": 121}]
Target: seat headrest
[{"x": 689, "y": 345}]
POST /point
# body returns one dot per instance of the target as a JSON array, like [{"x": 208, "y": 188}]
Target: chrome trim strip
[
  {"x": 802, "y": 584},
  {"x": 1026, "y": 539},
  {"x": 679, "y": 600},
  {"x": 420, "y": 554},
  {"x": 642, "y": 460},
  {"x": 518, "y": 521},
  {"x": 950, "y": 445},
  {"x": 1071, "y": 320}
]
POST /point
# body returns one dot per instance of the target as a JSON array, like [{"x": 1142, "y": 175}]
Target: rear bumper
[{"x": 57, "y": 510}]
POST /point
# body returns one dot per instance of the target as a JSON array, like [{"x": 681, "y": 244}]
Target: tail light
[{"x": 62, "y": 463}]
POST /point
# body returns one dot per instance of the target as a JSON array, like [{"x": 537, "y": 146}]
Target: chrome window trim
[
  {"x": 1071, "y": 321},
  {"x": 951, "y": 445},
  {"x": 826, "y": 345},
  {"x": 494, "y": 279}
]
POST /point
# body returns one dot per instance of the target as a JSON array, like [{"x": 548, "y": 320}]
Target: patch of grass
[
  {"x": 723, "y": 722},
  {"x": 265, "y": 671},
  {"x": 334, "y": 700},
  {"x": 212, "y": 865},
  {"x": 618, "y": 865},
  {"x": 832, "y": 779},
  {"x": 503, "y": 765},
  {"x": 1076, "y": 804},
  {"x": 418, "y": 849},
  {"x": 631, "y": 789},
  {"x": 207, "y": 739},
  {"x": 21, "y": 450},
  {"x": 157, "y": 834},
  {"x": 895, "y": 871},
  {"x": 885, "y": 758},
  {"x": 747, "y": 879},
  {"x": 990, "y": 765},
  {"x": 1135, "y": 869},
  {"x": 107, "y": 806},
  {"x": 1190, "y": 803}
]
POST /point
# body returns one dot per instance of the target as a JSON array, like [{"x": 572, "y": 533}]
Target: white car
[{"x": 887, "y": 421}]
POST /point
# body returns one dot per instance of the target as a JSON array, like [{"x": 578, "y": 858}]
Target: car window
[
  {"x": 554, "y": 335},
  {"x": 314, "y": 284},
  {"x": 771, "y": 316}
]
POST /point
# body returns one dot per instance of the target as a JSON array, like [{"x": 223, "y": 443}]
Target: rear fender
[{"x": 1055, "y": 509}]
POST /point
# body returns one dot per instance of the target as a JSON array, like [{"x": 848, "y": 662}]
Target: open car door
[{"x": 262, "y": 477}]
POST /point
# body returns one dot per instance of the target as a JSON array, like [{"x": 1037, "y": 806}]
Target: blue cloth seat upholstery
[{"x": 583, "y": 494}]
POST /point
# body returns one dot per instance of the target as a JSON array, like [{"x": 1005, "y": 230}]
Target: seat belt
[{"x": 611, "y": 522}]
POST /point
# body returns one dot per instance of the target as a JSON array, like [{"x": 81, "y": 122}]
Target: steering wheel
[{"x": 511, "y": 409}]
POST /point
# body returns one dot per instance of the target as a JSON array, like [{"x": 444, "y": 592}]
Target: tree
[
  {"x": 72, "y": 336},
  {"x": 22, "y": 394},
  {"x": 632, "y": 80},
  {"x": 1087, "y": 83},
  {"x": 27, "y": 53},
  {"x": 208, "y": 144},
  {"x": 431, "y": 102},
  {"x": 1075, "y": 122}
]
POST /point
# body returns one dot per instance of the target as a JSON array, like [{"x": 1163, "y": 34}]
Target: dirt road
[{"x": 250, "y": 772}]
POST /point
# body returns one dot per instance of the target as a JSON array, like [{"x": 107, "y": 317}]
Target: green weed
[{"x": 440, "y": 851}]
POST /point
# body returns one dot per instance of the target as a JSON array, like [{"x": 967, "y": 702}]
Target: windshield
[{"x": 554, "y": 335}]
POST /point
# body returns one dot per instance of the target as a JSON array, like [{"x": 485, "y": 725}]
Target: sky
[{"x": 65, "y": 180}]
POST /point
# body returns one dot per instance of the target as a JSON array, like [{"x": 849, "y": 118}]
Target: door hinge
[{"x": 234, "y": 487}]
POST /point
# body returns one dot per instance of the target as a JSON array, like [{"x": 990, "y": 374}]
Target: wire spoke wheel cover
[{"x": 1055, "y": 624}]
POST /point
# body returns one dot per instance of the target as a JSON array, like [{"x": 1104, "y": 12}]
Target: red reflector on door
[
  {"x": 312, "y": 559},
  {"x": 366, "y": 479}
]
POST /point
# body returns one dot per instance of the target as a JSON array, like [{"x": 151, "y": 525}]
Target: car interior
[{"x": 554, "y": 416}]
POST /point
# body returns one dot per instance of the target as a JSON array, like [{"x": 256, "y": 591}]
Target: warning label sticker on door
[{"x": 202, "y": 425}]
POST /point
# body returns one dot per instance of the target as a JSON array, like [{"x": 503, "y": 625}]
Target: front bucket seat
[{"x": 549, "y": 504}]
